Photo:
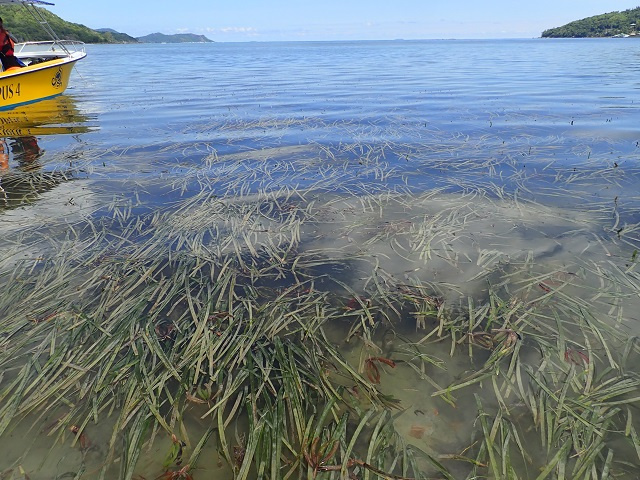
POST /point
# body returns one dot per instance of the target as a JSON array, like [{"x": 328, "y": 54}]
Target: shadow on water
[
  {"x": 22, "y": 176},
  {"x": 392, "y": 324}
]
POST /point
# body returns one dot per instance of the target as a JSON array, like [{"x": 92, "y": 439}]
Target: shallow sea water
[{"x": 468, "y": 166}]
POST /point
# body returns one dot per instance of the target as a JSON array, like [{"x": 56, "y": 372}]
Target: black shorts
[{"x": 9, "y": 61}]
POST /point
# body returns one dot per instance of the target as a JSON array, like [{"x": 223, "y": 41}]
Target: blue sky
[{"x": 275, "y": 20}]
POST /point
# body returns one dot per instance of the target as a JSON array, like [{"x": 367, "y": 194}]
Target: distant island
[
  {"x": 176, "y": 38},
  {"x": 614, "y": 24},
  {"x": 26, "y": 29}
]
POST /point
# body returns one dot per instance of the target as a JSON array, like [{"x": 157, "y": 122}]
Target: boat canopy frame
[
  {"x": 30, "y": 6},
  {"x": 23, "y": 2}
]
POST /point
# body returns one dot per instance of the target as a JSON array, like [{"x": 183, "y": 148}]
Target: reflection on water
[
  {"x": 55, "y": 116},
  {"x": 21, "y": 176},
  {"x": 24, "y": 150}
]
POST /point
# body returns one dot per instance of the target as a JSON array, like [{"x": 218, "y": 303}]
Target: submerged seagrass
[{"x": 341, "y": 328}]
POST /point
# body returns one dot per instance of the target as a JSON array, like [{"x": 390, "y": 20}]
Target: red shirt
[{"x": 6, "y": 43}]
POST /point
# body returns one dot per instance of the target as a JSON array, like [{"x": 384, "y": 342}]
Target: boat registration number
[{"x": 7, "y": 92}]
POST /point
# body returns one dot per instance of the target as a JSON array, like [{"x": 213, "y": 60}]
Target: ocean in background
[
  {"x": 470, "y": 166},
  {"x": 542, "y": 103},
  {"x": 499, "y": 107}
]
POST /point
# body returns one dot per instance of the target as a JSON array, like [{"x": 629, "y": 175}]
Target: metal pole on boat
[{"x": 37, "y": 15}]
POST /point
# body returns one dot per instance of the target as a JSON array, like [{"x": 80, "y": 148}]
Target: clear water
[
  {"x": 550, "y": 122},
  {"x": 507, "y": 108},
  {"x": 528, "y": 103}
]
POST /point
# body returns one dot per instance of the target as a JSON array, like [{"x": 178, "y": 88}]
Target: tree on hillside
[
  {"x": 21, "y": 23},
  {"x": 605, "y": 25}
]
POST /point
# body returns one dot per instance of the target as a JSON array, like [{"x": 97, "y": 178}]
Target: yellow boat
[{"x": 48, "y": 65}]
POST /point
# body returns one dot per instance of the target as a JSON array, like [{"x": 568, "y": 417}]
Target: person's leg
[{"x": 4, "y": 156}]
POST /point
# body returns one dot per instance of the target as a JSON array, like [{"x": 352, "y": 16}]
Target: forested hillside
[
  {"x": 605, "y": 25},
  {"x": 177, "y": 38},
  {"x": 25, "y": 28}
]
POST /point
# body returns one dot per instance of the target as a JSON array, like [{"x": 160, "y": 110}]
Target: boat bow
[{"x": 48, "y": 64}]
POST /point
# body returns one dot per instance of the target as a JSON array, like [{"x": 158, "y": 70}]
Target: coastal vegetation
[
  {"x": 25, "y": 28},
  {"x": 176, "y": 38},
  {"x": 605, "y": 25}
]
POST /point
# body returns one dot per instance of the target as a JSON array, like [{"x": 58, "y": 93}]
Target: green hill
[
  {"x": 25, "y": 28},
  {"x": 116, "y": 37},
  {"x": 177, "y": 38},
  {"x": 605, "y": 25}
]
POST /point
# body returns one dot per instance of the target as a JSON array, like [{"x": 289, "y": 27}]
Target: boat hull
[{"x": 35, "y": 82}]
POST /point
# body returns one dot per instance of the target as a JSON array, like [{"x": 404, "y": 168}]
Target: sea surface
[
  {"x": 539, "y": 103},
  {"x": 480, "y": 106},
  {"x": 515, "y": 152}
]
